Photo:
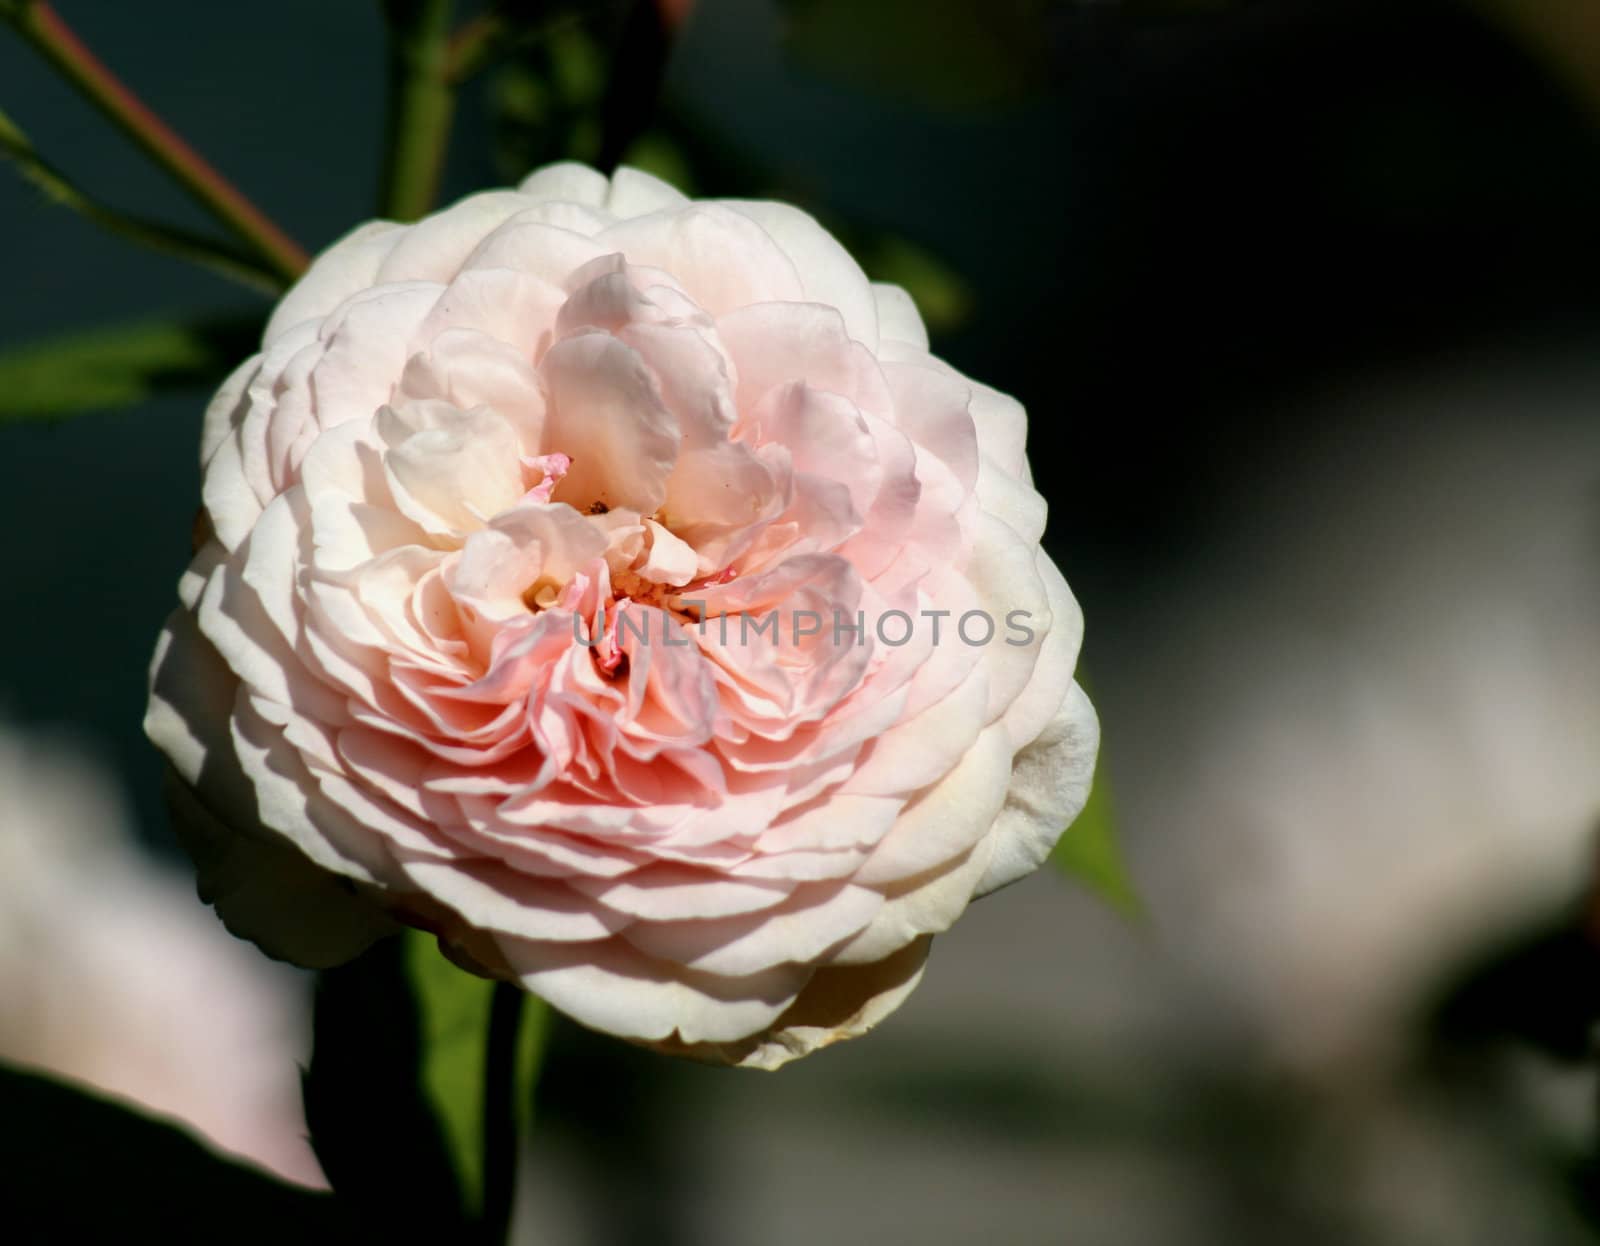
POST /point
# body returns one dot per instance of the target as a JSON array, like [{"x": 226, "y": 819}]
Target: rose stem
[
  {"x": 502, "y": 1114},
  {"x": 40, "y": 25},
  {"x": 472, "y": 45},
  {"x": 218, "y": 256},
  {"x": 421, "y": 102}
]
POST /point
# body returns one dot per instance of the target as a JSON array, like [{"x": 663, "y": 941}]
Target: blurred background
[{"x": 1303, "y": 298}]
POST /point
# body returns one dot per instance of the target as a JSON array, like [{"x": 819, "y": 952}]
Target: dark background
[{"x": 1206, "y": 246}]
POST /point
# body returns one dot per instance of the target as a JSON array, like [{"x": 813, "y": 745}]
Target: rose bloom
[{"x": 455, "y": 650}]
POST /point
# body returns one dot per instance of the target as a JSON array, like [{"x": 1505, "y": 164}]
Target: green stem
[
  {"x": 502, "y": 1112},
  {"x": 490, "y": 37},
  {"x": 39, "y": 24},
  {"x": 421, "y": 102},
  {"x": 218, "y": 257}
]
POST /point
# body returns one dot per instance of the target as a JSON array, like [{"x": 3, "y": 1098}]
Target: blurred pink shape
[{"x": 116, "y": 976}]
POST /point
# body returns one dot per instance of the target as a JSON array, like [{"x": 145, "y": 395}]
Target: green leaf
[
  {"x": 456, "y": 1010},
  {"x": 100, "y": 369},
  {"x": 93, "y": 1170},
  {"x": 421, "y": 1080},
  {"x": 1089, "y": 852}
]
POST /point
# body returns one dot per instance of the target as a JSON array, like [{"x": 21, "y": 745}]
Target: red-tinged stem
[
  {"x": 41, "y": 26},
  {"x": 471, "y": 45},
  {"x": 674, "y": 13}
]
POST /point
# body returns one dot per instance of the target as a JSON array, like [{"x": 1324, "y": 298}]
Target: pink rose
[{"x": 601, "y": 580}]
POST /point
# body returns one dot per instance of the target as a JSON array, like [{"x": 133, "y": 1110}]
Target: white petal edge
[{"x": 1049, "y": 787}]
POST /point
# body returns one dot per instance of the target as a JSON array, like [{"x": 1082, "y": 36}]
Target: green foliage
[
  {"x": 1089, "y": 852},
  {"x": 546, "y": 101},
  {"x": 961, "y": 55},
  {"x": 100, "y": 369},
  {"x": 82, "y": 1168},
  {"x": 954, "y": 54},
  {"x": 403, "y": 1093},
  {"x": 657, "y": 154},
  {"x": 1177, "y": 8},
  {"x": 456, "y": 1009},
  {"x": 939, "y": 292}
]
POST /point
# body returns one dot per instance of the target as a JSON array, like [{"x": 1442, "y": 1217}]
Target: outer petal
[
  {"x": 828, "y": 273},
  {"x": 947, "y": 819},
  {"x": 567, "y": 182},
  {"x": 269, "y": 893},
  {"x": 1049, "y": 786},
  {"x": 494, "y": 897},
  {"x": 926, "y": 905},
  {"x": 1037, "y": 703},
  {"x": 635, "y": 193},
  {"x": 838, "y": 1003},
  {"x": 435, "y": 247},
  {"x": 348, "y": 266},
  {"x": 191, "y": 699},
  {"x": 263, "y": 888},
  {"x": 614, "y": 988},
  {"x": 1001, "y": 422},
  {"x": 898, "y": 318},
  {"x": 815, "y": 918},
  {"x": 225, "y": 411}
]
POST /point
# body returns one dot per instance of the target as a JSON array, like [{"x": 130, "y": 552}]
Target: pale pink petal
[
  {"x": 607, "y": 416},
  {"x": 828, "y": 273},
  {"x": 347, "y": 267},
  {"x": 898, "y": 318},
  {"x": 567, "y": 181},
  {"x": 722, "y": 258},
  {"x": 674, "y": 892},
  {"x": 813, "y": 919},
  {"x": 493, "y": 897},
  {"x": 435, "y": 247},
  {"x": 947, "y": 818},
  {"x": 614, "y": 988},
  {"x": 1049, "y": 787}
]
